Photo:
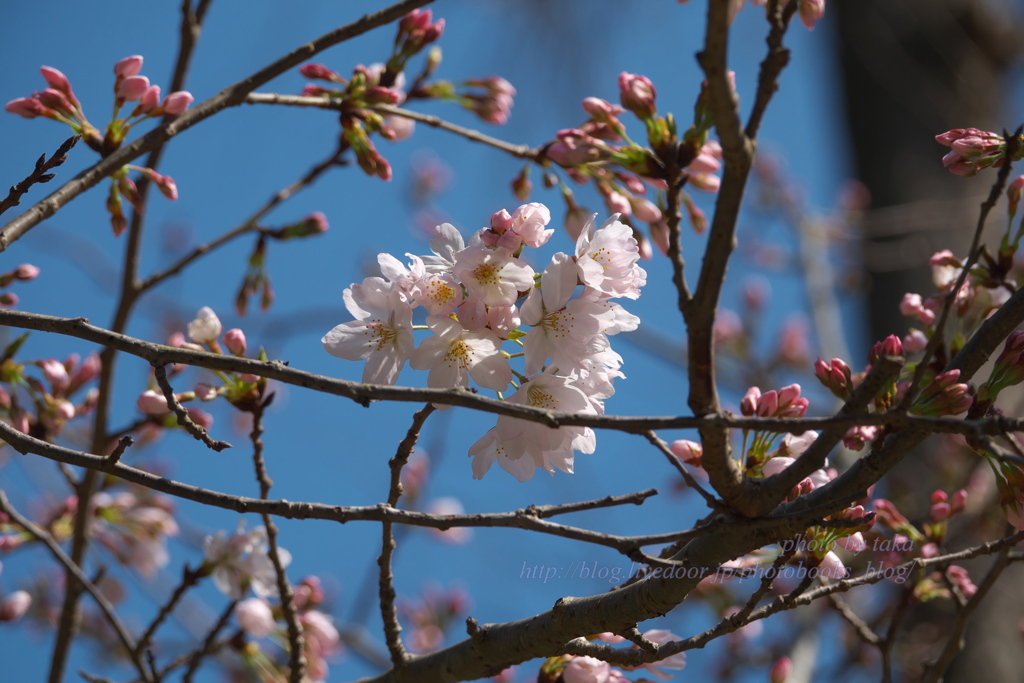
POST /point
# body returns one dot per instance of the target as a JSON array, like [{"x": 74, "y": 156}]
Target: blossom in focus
[
  {"x": 206, "y": 327},
  {"x": 607, "y": 259},
  {"x": 381, "y": 333},
  {"x": 495, "y": 277},
  {"x": 454, "y": 354}
]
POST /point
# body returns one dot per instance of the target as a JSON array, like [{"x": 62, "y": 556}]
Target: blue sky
[{"x": 324, "y": 448}]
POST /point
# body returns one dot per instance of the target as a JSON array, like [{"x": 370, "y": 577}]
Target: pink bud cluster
[
  {"x": 835, "y": 376},
  {"x": 52, "y": 398},
  {"x": 1008, "y": 370},
  {"x": 58, "y": 102},
  {"x": 944, "y": 396},
  {"x": 972, "y": 150},
  {"x": 623, "y": 173},
  {"x": 785, "y": 402},
  {"x": 22, "y": 273}
]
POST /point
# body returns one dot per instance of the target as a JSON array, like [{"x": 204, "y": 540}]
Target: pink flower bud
[
  {"x": 128, "y": 67},
  {"x": 56, "y": 100},
  {"x": 637, "y": 94},
  {"x": 939, "y": 512},
  {"x": 780, "y": 670},
  {"x": 645, "y": 210},
  {"x": 501, "y": 221},
  {"x": 787, "y": 395},
  {"x": 55, "y": 373},
  {"x": 748, "y": 404},
  {"x": 132, "y": 88},
  {"x": 959, "y": 501},
  {"x": 689, "y": 452},
  {"x": 915, "y": 341},
  {"x": 55, "y": 79},
  {"x": 165, "y": 184},
  {"x": 150, "y": 99},
  {"x": 255, "y": 617},
  {"x": 177, "y": 102},
  {"x": 234, "y": 340},
  {"x": 1013, "y": 193},
  {"x": 15, "y": 605},
  {"x": 204, "y": 392},
  {"x": 768, "y": 404},
  {"x": 319, "y": 72},
  {"x": 811, "y": 11},
  {"x": 8, "y": 299},
  {"x": 152, "y": 403},
  {"x": 64, "y": 409},
  {"x": 25, "y": 272},
  {"x": 27, "y": 107}
]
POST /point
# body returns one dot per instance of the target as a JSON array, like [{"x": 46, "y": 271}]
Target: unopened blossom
[
  {"x": 152, "y": 403},
  {"x": 454, "y": 354},
  {"x": 529, "y": 222},
  {"x": 689, "y": 452},
  {"x": 177, "y": 102},
  {"x": 25, "y": 272},
  {"x": 495, "y": 277},
  {"x": 781, "y": 670},
  {"x": 132, "y": 88},
  {"x": 206, "y": 327},
  {"x": 915, "y": 341},
  {"x": 607, "y": 259},
  {"x": 832, "y": 567},
  {"x": 127, "y": 67},
  {"x": 913, "y": 305},
  {"x": 637, "y": 94},
  {"x": 15, "y": 605},
  {"x": 381, "y": 333},
  {"x": 1013, "y": 194},
  {"x": 811, "y": 11},
  {"x": 836, "y": 376},
  {"x": 255, "y": 617},
  {"x": 234, "y": 340},
  {"x": 856, "y": 437},
  {"x": 56, "y": 374}
]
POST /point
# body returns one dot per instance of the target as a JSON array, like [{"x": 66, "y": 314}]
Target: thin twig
[
  {"x": 209, "y": 643},
  {"x": 386, "y": 586},
  {"x": 674, "y": 460},
  {"x": 518, "y": 151},
  {"x": 296, "y": 655},
  {"x": 251, "y": 224},
  {"x": 160, "y": 372},
  {"x": 46, "y": 539},
  {"x": 1012, "y": 145},
  {"x": 955, "y": 641},
  {"x": 39, "y": 173},
  {"x": 860, "y": 627},
  {"x": 189, "y": 578}
]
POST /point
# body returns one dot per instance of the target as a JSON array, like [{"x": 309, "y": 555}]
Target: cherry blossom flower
[
  {"x": 446, "y": 243},
  {"x": 607, "y": 259},
  {"x": 520, "y": 447},
  {"x": 495, "y": 277},
  {"x": 241, "y": 561},
  {"x": 454, "y": 354},
  {"x": 381, "y": 333}
]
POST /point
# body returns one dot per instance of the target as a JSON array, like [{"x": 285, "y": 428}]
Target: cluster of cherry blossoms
[
  {"x": 59, "y": 103},
  {"x": 476, "y": 298},
  {"x": 385, "y": 83}
]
